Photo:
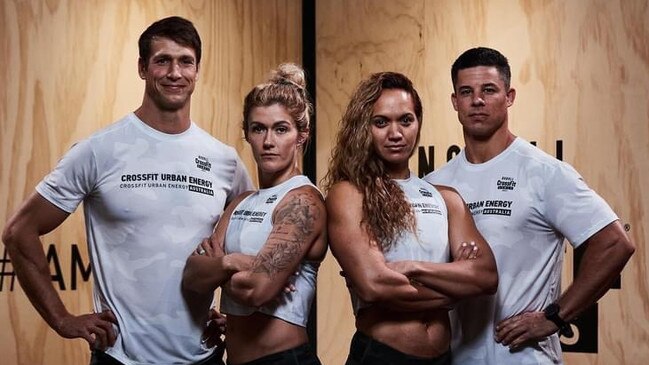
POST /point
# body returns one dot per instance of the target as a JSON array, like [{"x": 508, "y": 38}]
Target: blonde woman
[{"x": 269, "y": 239}]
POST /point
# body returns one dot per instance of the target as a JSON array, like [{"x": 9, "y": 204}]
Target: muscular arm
[
  {"x": 362, "y": 261},
  {"x": 299, "y": 222},
  {"x": 21, "y": 236},
  {"x": 606, "y": 253},
  {"x": 204, "y": 273},
  {"x": 460, "y": 278}
]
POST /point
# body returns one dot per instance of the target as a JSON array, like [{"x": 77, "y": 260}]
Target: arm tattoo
[{"x": 293, "y": 223}]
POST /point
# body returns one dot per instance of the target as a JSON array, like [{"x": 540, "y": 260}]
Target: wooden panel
[
  {"x": 581, "y": 70},
  {"x": 354, "y": 40},
  {"x": 70, "y": 69}
]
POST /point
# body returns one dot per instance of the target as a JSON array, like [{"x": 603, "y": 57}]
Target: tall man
[
  {"x": 524, "y": 203},
  {"x": 153, "y": 185}
]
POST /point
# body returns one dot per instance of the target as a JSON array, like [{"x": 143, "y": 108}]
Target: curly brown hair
[{"x": 386, "y": 212}]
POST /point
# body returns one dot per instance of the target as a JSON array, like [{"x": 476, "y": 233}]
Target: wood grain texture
[
  {"x": 71, "y": 69},
  {"x": 581, "y": 70}
]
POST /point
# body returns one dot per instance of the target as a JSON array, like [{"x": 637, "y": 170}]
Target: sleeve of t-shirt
[
  {"x": 573, "y": 208},
  {"x": 430, "y": 177},
  {"x": 72, "y": 180},
  {"x": 241, "y": 181}
]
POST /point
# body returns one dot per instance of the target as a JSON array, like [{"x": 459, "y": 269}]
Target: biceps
[
  {"x": 462, "y": 230},
  {"x": 295, "y": 227}
]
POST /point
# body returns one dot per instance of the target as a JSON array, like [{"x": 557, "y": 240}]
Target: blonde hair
[
  {"x": 386, "y": 212},
  {"x": 286, "y": 86}
]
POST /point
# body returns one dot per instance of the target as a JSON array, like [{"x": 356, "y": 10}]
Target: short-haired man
[
  {"x": 153, "y": 185},
  {"x": 524, "y": 203}
]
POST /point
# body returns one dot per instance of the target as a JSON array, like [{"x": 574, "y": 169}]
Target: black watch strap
[{"x": 552, "y": 313}]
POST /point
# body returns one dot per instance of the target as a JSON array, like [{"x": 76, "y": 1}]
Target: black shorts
[
  {"x": 300, "y": 355},
  {"x": 102, "y": 358},
  {"x": 366, "y": 351}
]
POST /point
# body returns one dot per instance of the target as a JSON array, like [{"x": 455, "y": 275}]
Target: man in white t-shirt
[
  {"x": 524, "y": 202},
  {"x": 153, "y": 185}
]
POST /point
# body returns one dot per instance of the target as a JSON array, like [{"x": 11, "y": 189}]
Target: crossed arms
[
  {"x": 409, "y": 285},
  {"x": 299, "y": 230}
]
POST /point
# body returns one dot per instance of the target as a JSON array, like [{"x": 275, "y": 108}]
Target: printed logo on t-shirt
[
  {"x": 271, "y": 199},
  {"x": 491, "y": 207},
  {"x": 158, "y": 180},
  {"x": 203, "y": 163},
  {"x": 506, "y": 183},
  {"x": 426, "y": 208},
  {"x": 425, "y": 193},
  {"x": 251, "y": 216}
]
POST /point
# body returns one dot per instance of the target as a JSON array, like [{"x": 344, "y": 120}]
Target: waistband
[
  {"x": 297, "y": 354},
  {"x": 363, "y": 344}
]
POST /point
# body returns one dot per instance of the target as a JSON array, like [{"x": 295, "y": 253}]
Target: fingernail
[
  {"x": 463, "y": 244},
  {"x": 472, "y": 243}
]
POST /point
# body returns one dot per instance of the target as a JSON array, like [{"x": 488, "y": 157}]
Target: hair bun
[{"x": 289, "y": 73}]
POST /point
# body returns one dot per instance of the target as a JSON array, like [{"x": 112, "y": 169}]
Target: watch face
[
  {"x": 551, "y": 310},
  {"x": 552, "y": 313}
]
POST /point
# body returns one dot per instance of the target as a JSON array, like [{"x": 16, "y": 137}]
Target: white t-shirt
[
  {"x": 431, "y": 241},
  {"x": 149, "y": 199},
  {"x": 524, "y": 203},
  {"x": 250, "y": 225}
]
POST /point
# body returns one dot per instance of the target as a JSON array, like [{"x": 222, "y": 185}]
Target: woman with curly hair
[
  {"x": 408, "y": 249},
  {"x": 267, "y": 247}
]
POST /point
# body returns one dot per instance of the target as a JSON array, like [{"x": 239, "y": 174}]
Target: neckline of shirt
[
  {"x": 487, "y": 164},
  {"x": 159, "y": 134},
  {"x": 278, "y": 186},
  {"x": 406, "y": 180}
]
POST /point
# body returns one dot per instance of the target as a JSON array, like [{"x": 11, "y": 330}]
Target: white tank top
[
  {"x": 431, "y": 241},
  {"x": 248, "y": 229}
]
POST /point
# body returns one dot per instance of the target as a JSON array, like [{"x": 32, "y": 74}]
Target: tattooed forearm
[
  {"x": 277, "y": 259},
  {"x": 293, "y": 223}
]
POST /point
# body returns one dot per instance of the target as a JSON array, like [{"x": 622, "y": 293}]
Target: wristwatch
[{"x": 552, "y": 313}]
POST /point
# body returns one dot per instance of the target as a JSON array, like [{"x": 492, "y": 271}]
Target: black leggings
[
  {"x": 367, "y": 351},
  {"x": 301, "y": 355}
]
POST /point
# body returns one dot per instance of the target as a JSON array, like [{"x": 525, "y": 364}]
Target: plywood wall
[
  {"x": 581, "y": 70},
  {"x": 70, "y": 68}
]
